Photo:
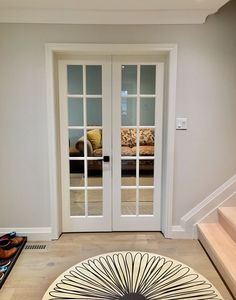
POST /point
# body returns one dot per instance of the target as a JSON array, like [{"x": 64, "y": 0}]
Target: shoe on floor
[
  {"x": 5, "y": 242},
  {"x": 5, "y": 254},
  {"x": 9, "y": 235},
  {"x": 16, "y": 241},
  {"x": 10, "y": 243},
  {"x": 5, "y": 262}
]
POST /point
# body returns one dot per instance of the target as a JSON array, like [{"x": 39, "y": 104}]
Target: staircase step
[
  {"x": 222, "y": 250},
  {"x": 227, "y": 218}
]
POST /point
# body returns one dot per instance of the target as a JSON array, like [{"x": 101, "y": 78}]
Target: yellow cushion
[{"x": 94, "y": 136}]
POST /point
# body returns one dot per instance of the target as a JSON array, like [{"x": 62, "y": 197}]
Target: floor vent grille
[{"x": 36, "y": 247}]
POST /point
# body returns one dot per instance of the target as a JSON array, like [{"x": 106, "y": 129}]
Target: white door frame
[{"x": 169, "y": 52}]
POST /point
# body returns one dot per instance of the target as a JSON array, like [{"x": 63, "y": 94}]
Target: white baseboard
[
  {"x": 177, "y": 232},
  {"x": 33, "y": 234}
]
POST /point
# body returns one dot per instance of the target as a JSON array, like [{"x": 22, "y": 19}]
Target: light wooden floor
[{"x": 34, "y": 271}]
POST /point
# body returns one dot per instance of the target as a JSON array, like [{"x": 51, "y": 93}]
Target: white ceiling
[{"x": 108, "y": 11}]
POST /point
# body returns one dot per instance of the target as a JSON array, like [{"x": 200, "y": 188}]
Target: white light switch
[{"x": 181, "y": 123}]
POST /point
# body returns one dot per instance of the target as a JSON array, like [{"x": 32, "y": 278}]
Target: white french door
[
  {"x": 84, "y": 98},
  {"x": 111, "y": 143},
  {"x": 137, "y": 110}
]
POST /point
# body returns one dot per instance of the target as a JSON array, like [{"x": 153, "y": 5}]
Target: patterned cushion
[
  {"x": 144, "y": 150},
  {"x": 146, "y": 137},
  {"x": 128, "y": 142},
  {"x": 126, "y": 137},
  {"x": 126, "y": 151},
  {"x": 133, "y": 136}
]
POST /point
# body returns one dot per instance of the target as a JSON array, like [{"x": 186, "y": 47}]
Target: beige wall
[{"x": 205, "y": 154}]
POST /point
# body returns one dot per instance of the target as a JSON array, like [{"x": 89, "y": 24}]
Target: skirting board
[
  {"x": 33, "y": 233},
  {"x": 178, "y": 232}
]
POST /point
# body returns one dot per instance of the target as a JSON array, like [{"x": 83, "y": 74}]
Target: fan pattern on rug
[{"x": 131, "y": 276}]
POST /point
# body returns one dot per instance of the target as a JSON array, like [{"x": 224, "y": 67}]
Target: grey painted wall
[{"x": 205, "y": 154}]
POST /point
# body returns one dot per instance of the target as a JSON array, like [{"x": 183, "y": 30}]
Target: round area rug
[{"x": 131, "y": 276}]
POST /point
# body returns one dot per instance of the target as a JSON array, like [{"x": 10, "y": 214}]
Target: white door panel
[
  {"x": 137, "y": 109},
  {"x": 84, "y": 101}
]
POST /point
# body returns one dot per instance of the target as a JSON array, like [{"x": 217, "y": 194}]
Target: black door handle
[{"x": 106, "y": 158}]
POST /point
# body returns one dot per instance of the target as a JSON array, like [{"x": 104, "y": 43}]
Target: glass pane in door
[
  {"x": 95, "y": 173},
  {"x": 75, "y": 136},
  {"x": 94, "y": 80},
  {"x": 94, "y": 111},
  {"x": 147, "y": 79},
  {"x": 128, "y": 202},
  {"x": 77, "y": 203},
  {"x": 128, "y": 172},
  {"x": 146, "y": 172},
  {"x": 129, "y": 80},
  {"x": 146, "y": 201},
  {"x": 95, "y": 202},
  {"x": 147, "y": 111},
  {"x": 75, "y": 79},
  {"x": 128, "y": 111},
  {"x": 75, "y": 111}
]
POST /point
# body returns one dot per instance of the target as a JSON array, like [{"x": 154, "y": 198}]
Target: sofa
[{"x": 128, "y": 148}]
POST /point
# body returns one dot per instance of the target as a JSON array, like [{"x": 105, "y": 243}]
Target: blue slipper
[{"x": 3, "y": 269}]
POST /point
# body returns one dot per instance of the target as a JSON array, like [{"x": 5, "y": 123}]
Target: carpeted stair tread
[
  {"x": 221, "y": 249},
  {"x": 227, "y": 218}
]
